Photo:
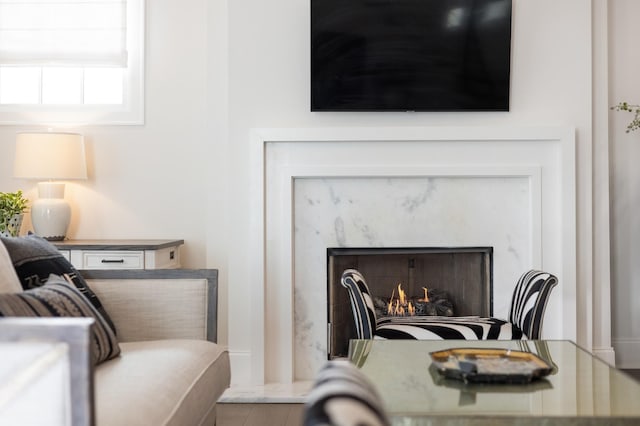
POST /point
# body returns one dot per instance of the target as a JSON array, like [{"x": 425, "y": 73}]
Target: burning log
[
  {"x": 434, "y": 302},
  {"x": 438, "y": 302}
]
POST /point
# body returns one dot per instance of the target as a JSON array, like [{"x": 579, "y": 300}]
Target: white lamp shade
[{"x": 50, "y": 156}]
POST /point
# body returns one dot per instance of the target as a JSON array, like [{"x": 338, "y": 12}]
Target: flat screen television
[{"x": 410, "y": 55}]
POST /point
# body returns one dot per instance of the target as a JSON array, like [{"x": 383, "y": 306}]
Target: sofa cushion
[
  {"x": 34, "y": 258},
  {"x": 9, "y": 281},
  {"x": 161, "y": 382},
  {"x": 58, "y": 298}
]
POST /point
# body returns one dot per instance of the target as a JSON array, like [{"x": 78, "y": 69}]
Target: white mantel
[{"x": 535, "y": 167}]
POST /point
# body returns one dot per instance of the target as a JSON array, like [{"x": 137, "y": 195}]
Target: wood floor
[{"x": 259, "y": 414}]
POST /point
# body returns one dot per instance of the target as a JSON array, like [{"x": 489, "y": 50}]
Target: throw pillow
[
  {"x": 58, "y": 298},
  {"x": 9, "y": 282},
  {"x": 34, "y": 258},
  {"x": 343, "y": 395}
]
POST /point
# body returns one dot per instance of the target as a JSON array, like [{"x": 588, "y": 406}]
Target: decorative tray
[{"x": 483, "y": 365}]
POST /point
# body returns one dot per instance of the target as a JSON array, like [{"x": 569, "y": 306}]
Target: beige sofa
[{"x": 170, "y": 371}]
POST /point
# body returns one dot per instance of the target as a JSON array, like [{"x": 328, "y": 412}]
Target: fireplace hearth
[{"x": 459, "y": 281}]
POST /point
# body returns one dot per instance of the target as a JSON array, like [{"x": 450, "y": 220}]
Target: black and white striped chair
[
  {"x": 528, "y": 304},
  {"x": 343, "y": 396}
]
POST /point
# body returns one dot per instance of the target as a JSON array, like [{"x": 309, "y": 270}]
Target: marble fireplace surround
[{"x": 309, "y": 187}]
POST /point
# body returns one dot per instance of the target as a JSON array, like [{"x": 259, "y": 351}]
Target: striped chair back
[
  {"x": 343, "y": 396},
  {"x": 529, "y": 301},
  {"x": 364, "y": 312}
]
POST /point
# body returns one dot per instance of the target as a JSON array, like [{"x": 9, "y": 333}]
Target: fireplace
[
  {"x": 442, "y": 186},
  {"x": 462, "y": 275}
]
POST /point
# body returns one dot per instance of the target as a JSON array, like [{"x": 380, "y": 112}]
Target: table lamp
[{"x": 50, "y": 156}]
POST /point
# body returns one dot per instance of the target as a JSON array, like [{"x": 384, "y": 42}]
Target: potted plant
[
  {"x": 634, "y": 109},
  {"x": 12, "y": 208}
]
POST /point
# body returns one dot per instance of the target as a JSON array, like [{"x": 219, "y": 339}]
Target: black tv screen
[{"x": 410, "y": 55}]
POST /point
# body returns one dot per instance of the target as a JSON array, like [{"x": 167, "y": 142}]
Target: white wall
[
  {"x": 149, "y": 181},
  {"x": 268, "y": 84},
  {"x": 164, "y": 179},
  {"x": 625, "y": 183},
  {"x": 216, "y": 69}
]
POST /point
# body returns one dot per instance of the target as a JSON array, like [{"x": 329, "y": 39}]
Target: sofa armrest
[
  {"x": 46, "y": 356},
  {"x": 159, "y": 303}
]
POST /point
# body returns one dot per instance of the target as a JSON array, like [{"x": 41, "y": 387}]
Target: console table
[
  {"x": 121, "y": 254},
  {"x": 582, "y": 389}
]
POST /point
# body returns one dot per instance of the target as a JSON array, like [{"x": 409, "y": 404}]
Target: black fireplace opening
[{"x": 457, "y": 277}]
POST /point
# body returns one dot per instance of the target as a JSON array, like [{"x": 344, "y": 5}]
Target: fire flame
[
  {"x": 402, "y": 295},
  {"x": 401, "y": 306},
  {"x": 426, "y": 296}
]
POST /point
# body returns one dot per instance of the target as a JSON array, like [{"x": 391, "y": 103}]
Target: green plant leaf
[
  {"x": 12, "y": 203},
  {"x": 633, "y": 109}
]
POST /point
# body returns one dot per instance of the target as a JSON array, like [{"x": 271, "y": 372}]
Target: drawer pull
[{"x": 112, "y": 261}]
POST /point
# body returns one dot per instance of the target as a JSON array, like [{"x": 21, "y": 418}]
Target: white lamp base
[{"x": 51, "y": 213}]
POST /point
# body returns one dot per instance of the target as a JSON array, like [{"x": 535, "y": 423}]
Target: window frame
[{"x": 130, "y": 112}]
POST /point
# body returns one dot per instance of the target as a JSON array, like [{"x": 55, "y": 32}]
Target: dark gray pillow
[
  {"x": 35, "y": 258},
  {"x": 58, "y": 298}
]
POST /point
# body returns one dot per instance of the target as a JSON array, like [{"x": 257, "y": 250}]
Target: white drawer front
[
  {"x": 66, "y": 254},
  {"x": 113, "y": 259}
]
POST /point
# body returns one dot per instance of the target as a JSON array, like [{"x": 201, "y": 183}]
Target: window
[{"x": 71, "y": 62}]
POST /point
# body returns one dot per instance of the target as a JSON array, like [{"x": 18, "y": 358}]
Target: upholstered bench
[{"x": 528, "y": 305}]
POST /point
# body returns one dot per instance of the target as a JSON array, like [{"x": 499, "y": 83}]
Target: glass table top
[{"x": 581, "y": 388}]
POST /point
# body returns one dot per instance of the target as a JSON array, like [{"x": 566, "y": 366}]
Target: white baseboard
[
  {"x": 627, "y": 352},
  {"x": 240, "y": 367},
  {"x": 607, "y": 354}
]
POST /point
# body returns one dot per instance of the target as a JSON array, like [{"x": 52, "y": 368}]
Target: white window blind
[{"x": 63, "y": 32}]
